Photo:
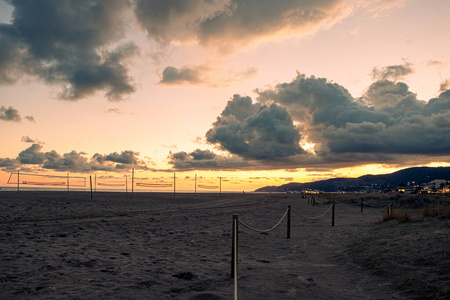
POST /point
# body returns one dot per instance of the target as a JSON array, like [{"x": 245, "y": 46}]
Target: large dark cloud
[
  {"x": 34, "y": 157},
  {"x": 255, "y": 131},
  {"x": 387, "y": 123},
  {"x": 228, "y": 24},
  {"x": 67, "y": 43}
]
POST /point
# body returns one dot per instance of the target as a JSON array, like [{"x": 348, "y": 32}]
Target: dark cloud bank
[
  {"x": 387, "y": 125},
  {"x": 34, "y": 158}
]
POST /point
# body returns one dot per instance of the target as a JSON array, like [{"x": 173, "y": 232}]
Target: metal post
[
  {"x": 289, "y": 222},
  {"x": 332, "y": 213},
  {"x": 234, "y": 245}
]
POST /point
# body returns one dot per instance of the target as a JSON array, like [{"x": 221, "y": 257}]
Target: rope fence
[
  {"x": 265, "y": 230},
  {"x": 313, "y": 218}
]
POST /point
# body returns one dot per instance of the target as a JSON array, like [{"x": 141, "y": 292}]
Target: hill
[{"x": 367, "y": 182}]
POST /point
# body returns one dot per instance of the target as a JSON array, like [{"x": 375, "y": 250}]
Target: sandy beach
[{"x": 59, "y": 245}]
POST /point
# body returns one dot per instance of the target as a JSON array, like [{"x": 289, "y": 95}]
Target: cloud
[
  {"x": 445, "y": 85},
  {"x": 34, "y": 157},
  {"x": 226, "y": 25},
  {"x": 27, "y": 139},
  {"x": 205, "y": 160},
  {"x": 9, "y": 114},
  {"x": 389, "y": 123},
  {"x": 68, "y": 44},
  {"x": 393, "y": 73},
  {"x": 381, "y": 7},
  {"x": 167, "y": 21},
  {"x": 202, "y": 75},
  {"x": 187, "y": 75},
  {"x": 113, "y": 110},
  {"x": 30, "y": 118},
  {"x": 255, "y": 131}
]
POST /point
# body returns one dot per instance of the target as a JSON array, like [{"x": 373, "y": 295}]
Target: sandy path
[{"x": 60, "y": 246}]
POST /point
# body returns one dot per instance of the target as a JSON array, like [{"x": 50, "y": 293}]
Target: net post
[
  {"x": 132, "y": 183},
  {"x": 333, "y": 213},
  {"x": 174, "y": 191},
  {"x": 289, "y": 222},
  {"x": 234, "y": 245},
  {"x": 90, "y": 180}
]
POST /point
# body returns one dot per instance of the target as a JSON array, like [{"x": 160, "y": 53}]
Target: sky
[{"x": 255, "y": 92}]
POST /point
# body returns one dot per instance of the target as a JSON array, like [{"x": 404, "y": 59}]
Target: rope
[
  {"x": 154, "y": 184},
  {"x": 43, "y": 183},
  {"x": 344, "y": 206},
  {"x": 314, "y": 218},
  {"x": 212, "y": 187},
  {"x": 265, "y": 230},
  {"x": 111, "y": 184},
  {"x": 376, "y": 206}
]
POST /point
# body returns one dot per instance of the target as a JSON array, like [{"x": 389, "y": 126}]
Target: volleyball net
[{"x": 46, "y": 180}]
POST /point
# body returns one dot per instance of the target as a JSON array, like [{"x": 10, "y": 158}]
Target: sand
[{"x": 59, "y": 245}]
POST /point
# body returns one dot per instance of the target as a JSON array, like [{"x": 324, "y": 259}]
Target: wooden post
[
  {"x": 132, "y": 183},
  {"x": 289, "y": 222},
  {"x": 90, "y": 179},
  {"x": 234, "y": 246},
  {"x": 18, "y": 184},
  {"x": 126, "y": 184},
  {"x": 332, "y": 213}
]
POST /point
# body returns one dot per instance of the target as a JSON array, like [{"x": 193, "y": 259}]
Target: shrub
[
  {"x": 402, "y": 215},
  {"x": 433, "y": 211}
]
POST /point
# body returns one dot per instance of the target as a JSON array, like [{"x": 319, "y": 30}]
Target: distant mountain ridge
[{"x": 386, "y": 181}]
